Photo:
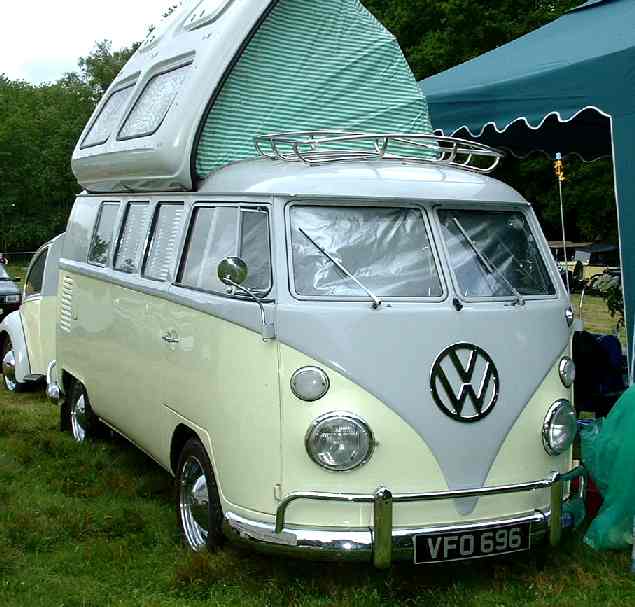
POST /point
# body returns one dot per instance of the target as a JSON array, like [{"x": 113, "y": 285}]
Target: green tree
[
  {"x": 39, "y": 126},
  {"x": 441, "y": 34},
  {"x": 102, "y": 65}
]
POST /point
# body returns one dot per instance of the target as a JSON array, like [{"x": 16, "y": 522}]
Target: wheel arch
[
  {"x": 11, "y": 326},
  {"x": 182, "y": 433}
]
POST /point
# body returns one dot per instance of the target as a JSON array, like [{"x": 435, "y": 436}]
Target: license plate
[{"x": 479, "y": 543}]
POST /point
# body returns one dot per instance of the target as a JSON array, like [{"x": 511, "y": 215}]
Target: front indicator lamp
[
  {"x": 559, "y": 428},
  {"x": 566, "y": 369},
  {"x": 339, "y": 441},
  {"x": 310, "y": 384}
]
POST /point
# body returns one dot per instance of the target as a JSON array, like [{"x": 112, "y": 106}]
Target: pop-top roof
[{"x": 218, "y": 73}]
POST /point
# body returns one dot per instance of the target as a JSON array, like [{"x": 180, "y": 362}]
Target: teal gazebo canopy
[{"x": 566, "y": 87}]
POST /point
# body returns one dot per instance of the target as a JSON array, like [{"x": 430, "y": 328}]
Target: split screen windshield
[{"x": 348, "y": 251}]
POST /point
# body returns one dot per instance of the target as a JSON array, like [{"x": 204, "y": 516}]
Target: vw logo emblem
[{"x": 465, "y": 383}]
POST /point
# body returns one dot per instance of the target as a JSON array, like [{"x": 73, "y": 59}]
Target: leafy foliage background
[{"x": 39, "y": 125}]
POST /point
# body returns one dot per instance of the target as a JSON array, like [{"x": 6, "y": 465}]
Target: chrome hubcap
[
  {"x": 8, "y": 371},
  {"x": 79, "y": 419},
  {"x": 193, "y": 504}
]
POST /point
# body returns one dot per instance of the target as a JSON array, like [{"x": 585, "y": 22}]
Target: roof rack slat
[{"x": 319, "y": 147}]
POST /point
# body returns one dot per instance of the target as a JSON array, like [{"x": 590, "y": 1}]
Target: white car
[{"x": 27, "y": 335}]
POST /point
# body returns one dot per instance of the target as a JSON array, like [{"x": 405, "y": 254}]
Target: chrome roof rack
[{"x": 319, "y": 147}]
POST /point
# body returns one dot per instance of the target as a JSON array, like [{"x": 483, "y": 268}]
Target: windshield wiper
[
  {"x": 341, "y": 268},
  {"x": 487, "y": 264}
]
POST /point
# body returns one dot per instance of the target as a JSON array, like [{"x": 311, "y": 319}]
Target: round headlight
[
  {"x": 310, "y": 383},
  {"x": 567, "y": 371},
  {"x": 559, "y": 428},
  {"x": 339, "y": 441}
]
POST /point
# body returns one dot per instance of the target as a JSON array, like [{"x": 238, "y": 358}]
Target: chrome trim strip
[{"x": 409, "y": 497}]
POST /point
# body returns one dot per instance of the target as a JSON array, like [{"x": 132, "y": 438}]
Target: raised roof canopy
[{"x": 218, "y": 73}]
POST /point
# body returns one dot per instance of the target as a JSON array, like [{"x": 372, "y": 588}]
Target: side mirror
[{"x": 232, "y": 271}]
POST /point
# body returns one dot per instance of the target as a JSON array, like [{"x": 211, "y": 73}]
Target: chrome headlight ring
[
  {"x": 566, "y": 370},
  {"x": 348, "y": 422},
  {"x": 559, "y": 428}
]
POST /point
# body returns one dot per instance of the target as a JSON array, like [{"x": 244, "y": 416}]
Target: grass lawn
[{"x": 94, "y": 525}]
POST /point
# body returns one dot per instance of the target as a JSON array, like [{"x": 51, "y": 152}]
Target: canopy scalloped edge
[
  {"x": 584, "y": 159},
  {"x": 526, "y": 121}
]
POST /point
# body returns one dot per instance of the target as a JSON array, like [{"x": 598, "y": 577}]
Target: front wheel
[
  {"x": 198, "y": 506},
  {"x": 7, "y": 359}
]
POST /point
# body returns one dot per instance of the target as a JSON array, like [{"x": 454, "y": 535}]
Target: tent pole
[{"x": 560, "y": 175}]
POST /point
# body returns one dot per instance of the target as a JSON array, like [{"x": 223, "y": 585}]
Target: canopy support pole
[{"x": 559, "y": 167}]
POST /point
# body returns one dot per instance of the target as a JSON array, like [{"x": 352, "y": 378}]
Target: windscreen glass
[
  {"x": 494, "y": 254},
  {"x": 386, "y": 249}
]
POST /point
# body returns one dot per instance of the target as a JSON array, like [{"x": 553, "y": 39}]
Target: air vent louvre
[{"x": 66, "y": 304}]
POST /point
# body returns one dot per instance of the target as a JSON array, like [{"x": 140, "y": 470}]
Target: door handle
[{"x": 171, "y": 338}]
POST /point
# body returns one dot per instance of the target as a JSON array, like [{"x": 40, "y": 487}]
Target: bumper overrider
[{"x": 383, "y": 543}]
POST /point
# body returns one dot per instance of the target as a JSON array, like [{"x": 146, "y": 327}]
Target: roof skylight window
[
  {"x": 154, "y": 103},
  {"x": 110, "y": 113},
  {"x": 206, "y": 12}
]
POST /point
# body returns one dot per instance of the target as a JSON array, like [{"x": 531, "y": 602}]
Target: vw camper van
[{"x": 342, "y": 344}]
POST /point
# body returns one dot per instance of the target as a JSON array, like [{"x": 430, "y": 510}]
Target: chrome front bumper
[{"x": 384, "y": 543}]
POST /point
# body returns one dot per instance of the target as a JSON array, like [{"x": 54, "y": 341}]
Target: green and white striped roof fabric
[{"x": 312, "y": 65}]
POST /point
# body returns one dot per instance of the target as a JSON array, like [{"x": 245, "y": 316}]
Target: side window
[
  {"x": 213, "y": 236},
  {"x": 33, "y": 283},
  {"x": 255, "y": 249},
  {"x": 219, "y": 232},
  {"x": 104, "y": 234},
  {"x": 164, "y": 241},
  {"x": 133, "y": 236}
]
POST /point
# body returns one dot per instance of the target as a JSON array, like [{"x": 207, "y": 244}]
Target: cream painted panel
[
  {"x": 134, "y": 402},
  {"x": 402, "y": 462},
  {"x": 30, "y": 313},
  {"x": 39, "y": 318},
  {"x": 48, "y": 318},
  {"x": 146, "y": 417},
  {"x": 91, "y": 352},
  {"x": 223, "y": 378}
]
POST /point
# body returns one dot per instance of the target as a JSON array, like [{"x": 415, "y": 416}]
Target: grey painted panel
[
  {"x": 238, "y": 311},
  {"x": 390, "y": 352},
  {"x": 377, "y": 179}
]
